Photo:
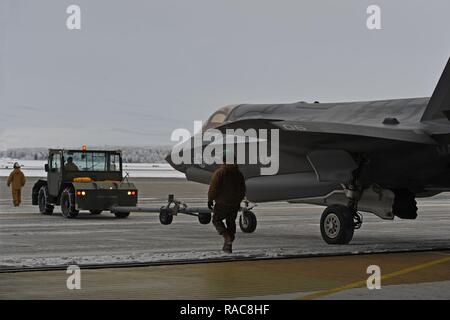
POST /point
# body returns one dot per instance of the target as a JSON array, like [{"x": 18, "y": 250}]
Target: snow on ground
[
  {"x": 206, "y": 256},
  {"x": 35, "y": 168},
  {"x": 29, "y": 239}
]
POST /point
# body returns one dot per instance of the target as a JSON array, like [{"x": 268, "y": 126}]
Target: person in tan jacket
[
  {"x": 16, "y": 181},
  {"x": 226, "y": 191}
]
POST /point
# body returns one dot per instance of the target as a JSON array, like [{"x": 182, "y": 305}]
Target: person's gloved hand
[{"x": 210, "y": 205}]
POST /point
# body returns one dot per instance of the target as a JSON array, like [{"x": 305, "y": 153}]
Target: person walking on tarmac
[
  {"x": 16, "y": 180},
  {"x": 226, "y": 191}
]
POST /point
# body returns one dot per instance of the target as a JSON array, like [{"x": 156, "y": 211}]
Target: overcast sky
[{"x": 139, "y": 69}]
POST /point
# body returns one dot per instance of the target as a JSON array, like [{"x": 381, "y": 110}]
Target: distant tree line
[{"x": 155, "y": 154}]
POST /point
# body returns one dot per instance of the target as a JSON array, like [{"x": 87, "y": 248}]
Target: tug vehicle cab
[{"x": 84, "y": 180}]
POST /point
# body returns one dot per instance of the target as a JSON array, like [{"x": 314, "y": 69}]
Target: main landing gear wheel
[
  {"x": 68, "y": 204},
  {"x": 165, "y": 217},
  {"x": 247, "y": 222},
  {"x": 204, "y": 218},
  {"x": 337, "y": 225},
  {"x": 44, "y": 207}
]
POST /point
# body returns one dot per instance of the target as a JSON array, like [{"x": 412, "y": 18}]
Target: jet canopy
[{"x": 218, "y": 117}]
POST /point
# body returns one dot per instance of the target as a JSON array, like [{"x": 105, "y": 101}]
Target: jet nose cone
[{"x": 178, "y": 167}]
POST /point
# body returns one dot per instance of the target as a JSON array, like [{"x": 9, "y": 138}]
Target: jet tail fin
[{"x": 439, "y": 104}]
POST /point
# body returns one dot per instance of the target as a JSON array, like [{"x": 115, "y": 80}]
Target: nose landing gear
[{"x": 247, "y": 220}]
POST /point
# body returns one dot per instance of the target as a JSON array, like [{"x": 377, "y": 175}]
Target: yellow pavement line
[
  {"x": 362, "y": 283},
  {"x": 440, "y": 253}
]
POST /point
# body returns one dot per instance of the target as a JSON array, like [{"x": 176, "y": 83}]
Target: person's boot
[
  {"x": 227, "y": 247},
  {"x": 228, "y": 243}
]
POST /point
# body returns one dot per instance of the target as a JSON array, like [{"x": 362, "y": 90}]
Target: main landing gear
[{"x": 338, "y": 222}]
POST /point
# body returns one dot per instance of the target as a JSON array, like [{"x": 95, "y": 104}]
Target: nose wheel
[
  {"x": 337, "y": 224},
  {"x": 247, "y": 221}
]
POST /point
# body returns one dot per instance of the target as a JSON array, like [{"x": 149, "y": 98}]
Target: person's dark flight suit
[{"x": 227, "y": 190}]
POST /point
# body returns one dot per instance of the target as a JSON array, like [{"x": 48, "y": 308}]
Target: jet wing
[
  {"x": 341, "y": 132},
  {"x": 328, "y": 145}
]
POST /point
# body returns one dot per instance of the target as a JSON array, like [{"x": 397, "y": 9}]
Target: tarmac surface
[
  {"x": 29, "y": 239},
  {"x": 412, "y": 275}
]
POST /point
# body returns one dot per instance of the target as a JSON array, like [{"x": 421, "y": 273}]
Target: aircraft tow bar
[
  {"x": 247, "y": 219},
  {"x": 172, "y": 208}
]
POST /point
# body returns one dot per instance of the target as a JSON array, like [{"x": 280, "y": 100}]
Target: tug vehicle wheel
[
  {"x": 68, "y": 204},
  {"x": 44, "y": 207},
  {"x": 121, "y": 215}
]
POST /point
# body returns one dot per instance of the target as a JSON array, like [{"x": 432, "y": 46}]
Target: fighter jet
[{"x": 352, "y": 157}]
